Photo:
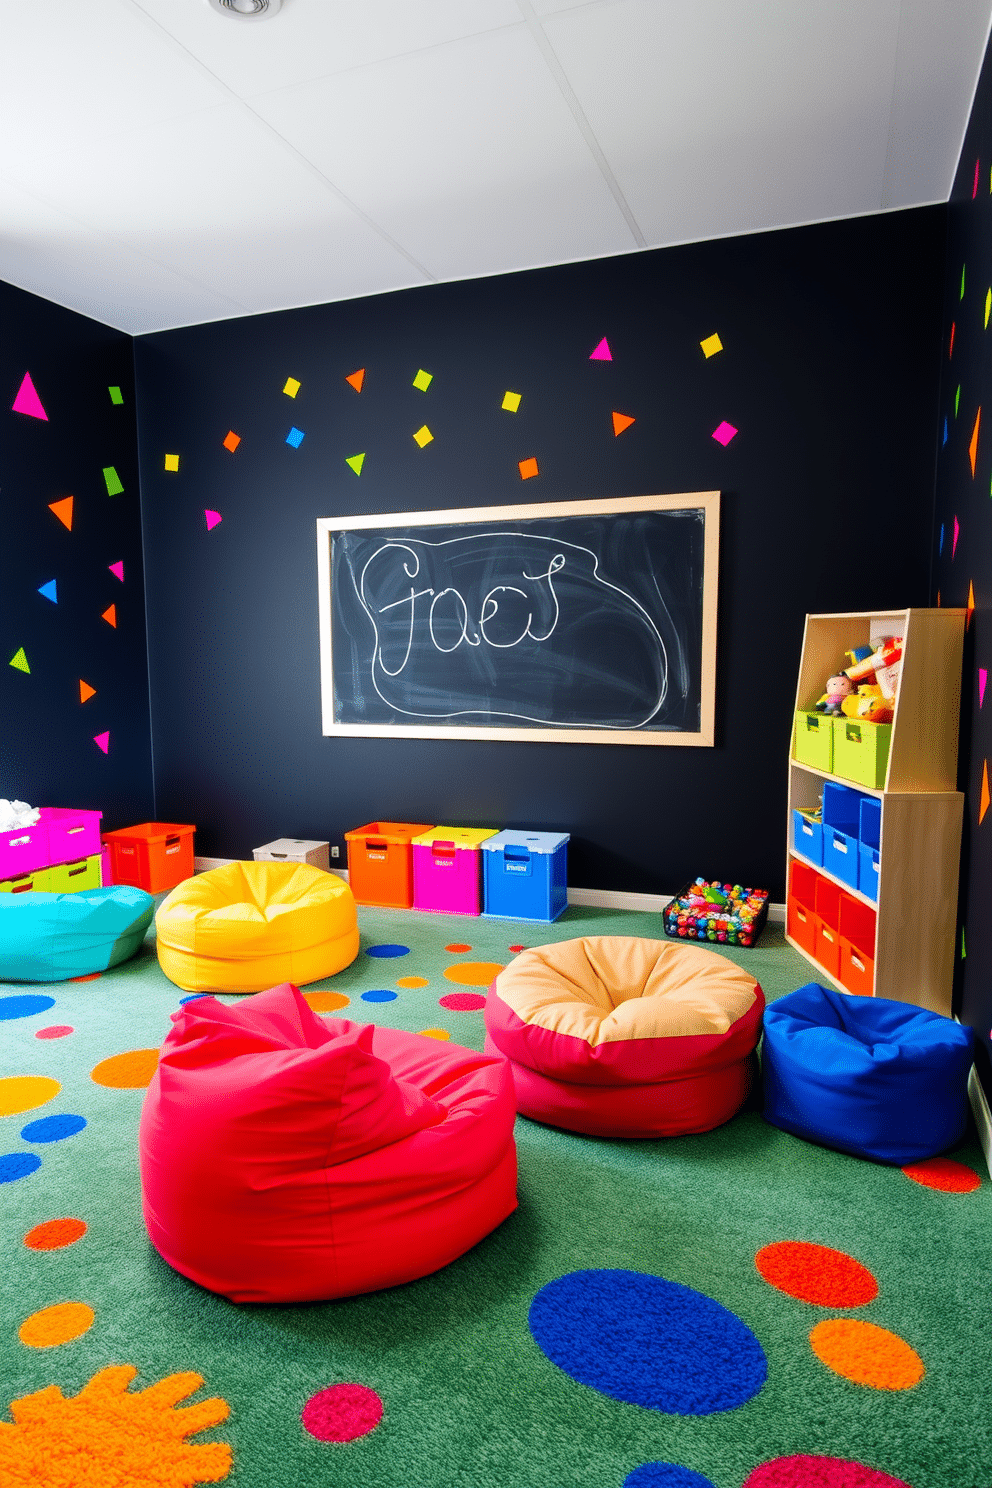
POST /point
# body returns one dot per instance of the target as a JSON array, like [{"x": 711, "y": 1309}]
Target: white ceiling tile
[
  {"x": 713, "y": 124},
  {"x": 313, "y": 38},
  {"x": 466, "y": 154}
]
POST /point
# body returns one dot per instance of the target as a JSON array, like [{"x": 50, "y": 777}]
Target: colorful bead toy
[{"x": 725, "y": 914}]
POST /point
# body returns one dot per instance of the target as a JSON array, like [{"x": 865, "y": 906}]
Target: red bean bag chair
[
  {"x": 622, "y": 1037},
  {"x": 287, "y": 1158}
]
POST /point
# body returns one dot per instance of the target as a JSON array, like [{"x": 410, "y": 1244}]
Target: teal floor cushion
[{"x": 52, "y": 937}]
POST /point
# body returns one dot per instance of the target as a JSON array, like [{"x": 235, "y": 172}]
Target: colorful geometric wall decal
[
  {"x": 973, "y": 446},
  {"x": 511, "y": 401},
  {"x": 113, "y": 480},
  {"x": 974, "y": 189},
  {"x": 944, "y": 441},
  {"x": 110, "y": 615},
  {"x": 50, "y": 591},
  {"x": 986, "y": 798},
  {"x": 711, "y": 345},
  {"x": 423, "y": 380},
  {"x": 212, "y": 518},
  {"x": 602, "y": 352},
  {"x": 102, "y": 741},
  {"x": 117, "y": 569},
  {"x": 85, "y": 691},
  {"x": 423, "y": 436},
  {"x": 962, "y": 281},
  {"x": 295, "y": 437},
  {"x": 63, "y": 510},
  {"x": 20, "y": 661},
  {"x": 950, "y": 349},
  {"x": 356, "y": 462},
  {"x": 940, "y": 545},
  {"x": 867, "y": 1354},
  {"x": 621, "y": 421},
  {"x": 27, "y": 400},
  {"x": 957, "y": 399},
  {"x": 356, "y": 379},
  {"x": 724, "y": 433},
  {"x": 231, "y": 440},
  {"x": 983, "y": 677},
  {"x": 964, "y": 952},
  {"x": 172, "y": 462},
  {"x": 116, "y": 396},
  {"x": 54, "y": 1325},
  {"x": 292, "y": 387},
  {"x": 988, "y": 306},
  {"x": 970, "y": 606},
  {"x": 528, "y": 468},
  {"x": 954, "y": 541}
]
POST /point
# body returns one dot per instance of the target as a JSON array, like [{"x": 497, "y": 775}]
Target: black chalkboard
[{"x": 579, "y": 620}]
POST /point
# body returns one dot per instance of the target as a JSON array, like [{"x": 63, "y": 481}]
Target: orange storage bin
[
  {"x": 826, "y": 901},
  {"x": 802, "y": 883},
  {"x": 827, "y": 950},
  {"x": 801, "y": 923},
  {"x": 857, "y": 969},
  {"x": 380, "y": 862},
  {"x": 153, "y": 856}
]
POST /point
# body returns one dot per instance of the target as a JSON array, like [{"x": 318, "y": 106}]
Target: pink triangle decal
[
  {"x": 602, "y": 352},
  {"x": 212, "y": 519},
  {"x": 957, "y": 529},
  {"x": 27, "y": 400},
  {"x": 102, "y": 741},
  {"x": 983, "y": 677},
  {"x": 117, "y": 569}
]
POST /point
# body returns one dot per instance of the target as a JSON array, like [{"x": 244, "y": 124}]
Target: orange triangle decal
[
  {"x": 85, "y": 691},
  {"x": 110, "y": 615},
  {"x": 63, "y": 510},
  {"x": 621, "y": 422},
  {"x": 971, "y": 605},
  {"x": 973, "y": 446},
  {"x": 986, "y": 796},
  {"x": 356, "y": 379}
]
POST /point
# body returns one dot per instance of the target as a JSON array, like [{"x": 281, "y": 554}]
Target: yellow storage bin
[
  {"x": 70, "y": 878},
  {"x": 813, "y": 740},
  {"x": 861, "y": 751},
  {"x": 36, "y": 882}
]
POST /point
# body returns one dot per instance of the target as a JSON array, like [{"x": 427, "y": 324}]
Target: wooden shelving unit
[{"x": 921, "y": 812}]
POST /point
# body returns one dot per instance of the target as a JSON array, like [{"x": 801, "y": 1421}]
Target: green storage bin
[
  {"x": 813, "y": 740},
  {"x": 861, "y": 751},
  {"x": 69, "y": 878},
  {"x": 35, "y": 882}
]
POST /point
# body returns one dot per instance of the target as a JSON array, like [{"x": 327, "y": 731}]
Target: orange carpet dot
[
  {"x": 944, "y": 1174},
  {"x": 816, "y": 1274},
  {"x": 867, "y": 1354},
  {"x": 54, "y": 1234},
  {"x": 435, "y": 1033},
  {"x": 90, "y": 976},
  {"x": 326, "y": 1002},
  {"x": 108, "y": 1435},
  {"x": 413, "y": 982},
  {"x": 130, "y": 1071},
  {"x": 25, "y": 1092},
  {"x": 474, "y": 973},
  {"x": 457, "y": 947},
  {"x": 58, "y": 1324}
]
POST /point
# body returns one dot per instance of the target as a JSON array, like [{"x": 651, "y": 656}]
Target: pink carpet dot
[
  {"x": 342, "y": 1413},
  {"x": 54, "y": 1030},
  {"x": 462, "y": 1002},
  {"x": 517, "y": 949},
  {"x": 803, "y": 1471}
]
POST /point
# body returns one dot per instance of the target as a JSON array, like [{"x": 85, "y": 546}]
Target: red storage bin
[
  {"x": 153, "y": 856},
  {"x": 801, "y": 924},
  {"x": 826, "y": 901},
  {"x": 857, "y": 970},
  {"x": 857, "y": 924},
  {"x": 802, "y": 883},
  {"x": 827, "y": 950}
]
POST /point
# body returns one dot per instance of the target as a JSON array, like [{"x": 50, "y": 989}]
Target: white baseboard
[
  {"x": 201, "y": 865},
  {"x": 982, "y": 1114}
]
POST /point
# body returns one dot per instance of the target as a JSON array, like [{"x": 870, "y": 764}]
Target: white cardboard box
[{"x": 294, "y": 850}]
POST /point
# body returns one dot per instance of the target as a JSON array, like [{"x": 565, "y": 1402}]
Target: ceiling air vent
[{"x": 246, "y": 10}]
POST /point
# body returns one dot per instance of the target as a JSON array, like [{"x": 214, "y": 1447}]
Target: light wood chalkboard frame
[{"x": 706, "y": 501}]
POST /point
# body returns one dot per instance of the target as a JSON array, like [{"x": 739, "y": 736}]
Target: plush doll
[{"x": 839, "y": 687}]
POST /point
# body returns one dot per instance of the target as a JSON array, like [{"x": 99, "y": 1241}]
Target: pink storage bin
[
  {"x": 71, "y": 834},
  {"x": 23, "y": 849},
  {"x": 447, "y": 869}
]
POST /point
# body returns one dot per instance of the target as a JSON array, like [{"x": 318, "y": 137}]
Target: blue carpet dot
[
  {"x": 17, "y": 1165},
  {"x": 53, "y": 1128},
  {"x": 192, "y": 997},
  {"x": 379, "y": 996},
  {"x": 24, "y": 1007},
  {"x": 387, "y": 951},
  {"x": 665, "y": 1475},
  {"x": 648, "y": 1341}
]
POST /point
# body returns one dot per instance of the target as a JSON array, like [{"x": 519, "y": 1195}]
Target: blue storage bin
[
  {"x": 807, "y": 838},
  {"x": 869, "y": 857},
  {"x": 524, "y": 875},
  {"x": 841, "y": 825}
]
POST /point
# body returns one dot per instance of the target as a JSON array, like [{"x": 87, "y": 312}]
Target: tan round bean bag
[
  {"x": 623, "y": 1037},
  {"x": 249, "y": 926}
]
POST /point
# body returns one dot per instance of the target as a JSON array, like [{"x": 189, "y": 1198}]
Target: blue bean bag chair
[
  {"x": 52, "y": 937},
  {"x": 875, "y": 1078}
]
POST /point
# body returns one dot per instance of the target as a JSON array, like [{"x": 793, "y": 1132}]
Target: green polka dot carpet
[{"x": 734, "y": 1310}]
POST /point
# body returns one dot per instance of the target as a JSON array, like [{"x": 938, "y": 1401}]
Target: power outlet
[{"x": 335, "y": 852}]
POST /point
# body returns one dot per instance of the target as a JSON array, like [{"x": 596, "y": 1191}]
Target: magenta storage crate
[
  {"x": 447, "y": 869},
  {"x": 22, "y": 849},
  {"x": 71, "y": 834}
]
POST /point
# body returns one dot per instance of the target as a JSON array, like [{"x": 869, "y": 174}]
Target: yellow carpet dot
[
  {"x": 435, "y": 1033},
  {"x": 474, "y": 973},
  {"x": 326, "y": 1002},
  {"x": 413, "y": 982},
  {"x": 58, "y": 1324},
  {"x": 25, "y": 1092}
]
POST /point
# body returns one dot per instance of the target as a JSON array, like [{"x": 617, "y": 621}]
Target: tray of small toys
[{"x": 725, "y": 914}]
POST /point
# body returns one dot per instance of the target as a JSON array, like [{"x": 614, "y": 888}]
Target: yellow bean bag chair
[{"x": 249, "y": 926}]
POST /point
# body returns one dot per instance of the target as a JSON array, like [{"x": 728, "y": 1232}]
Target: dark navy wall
[
  {"x": 962, "y": 540},
  {"x": 829, "y": 373},
  {"x": 48, "y": 750}
]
